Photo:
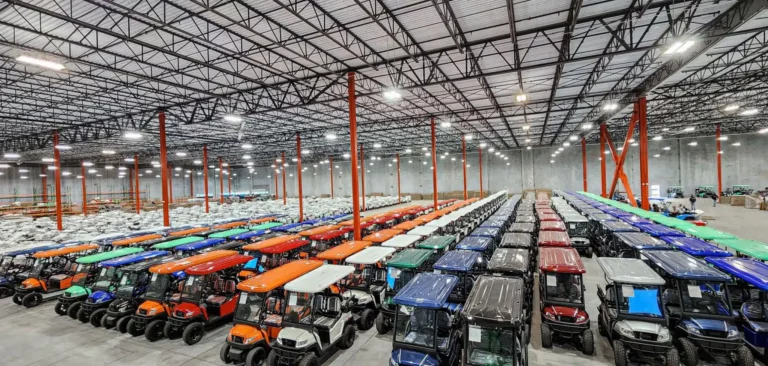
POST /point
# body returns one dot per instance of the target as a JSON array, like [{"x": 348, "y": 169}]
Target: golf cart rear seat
[
  {"x": 672, "y": 299},
  {"x": 327, "y": 313},
  {"x": 753, "y": 312},
  {"x": 218, "y": 300}
]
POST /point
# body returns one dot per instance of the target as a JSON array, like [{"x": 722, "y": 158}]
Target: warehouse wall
[{"x": 685, "y": 165}]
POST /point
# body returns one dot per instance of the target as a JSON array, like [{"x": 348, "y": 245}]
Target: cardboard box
[
  {"x": 726, "y": 200},
  {"x": 737, "y": 200}
]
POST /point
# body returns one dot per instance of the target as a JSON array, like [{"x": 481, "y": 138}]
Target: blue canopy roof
[
  {"x": 642, "y": 241},
  {"x": 477, "y": 243},
  {"x": 659, "y": 230},
  {"x": 133, "y": 258},
  {"x": 427, "y": 290},
  {"x": 247, "y": 235},
  {"x": 493, "y": 222},
  {"x": 619, "y": 227},
  {"x": 289, "y": 227},
  {"x": 749, "y": 270},
  {"x": 33, "y": 250},
  {"x": 696, "y": 247},
  {"x": 458, "y": 260},
  {"x": 199, "y": 245},
  {"x": 335, "y": 217},
  {"x": 634, "y": 220},
  {"x": 617, "y": 213},
  {"x": 683, "y": 266},
  {"x": 601, "y": 217},
  {"x": 490, "y": 232}
]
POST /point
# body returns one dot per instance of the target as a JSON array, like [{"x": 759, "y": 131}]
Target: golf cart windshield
[
  {"x": 364, "y": 276},
  {"x": 299, "y": 309},
  {"x": 105, "y": 278},
  {"x": 128, "y": 282},
  {"x": 397, "y": 278},
  {"x": 491, "y": 346},
  {"x": 704, "y": 297},
  {"x": 639, "y": 300},
  {"x": 81, "y": 276},
  {"x": 564, "y": 287},
  {"x": 157, "y": 286},
  {"x": 193, "y": 288},
  {"x": 416, "y": 326},
  {"x": 5, "y": 263},
  {"x": 250, "y": 307},
  {"x": 38, "y": 267}
]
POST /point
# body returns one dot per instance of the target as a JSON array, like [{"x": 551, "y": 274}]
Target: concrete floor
[{"x": 40, "y": 337}]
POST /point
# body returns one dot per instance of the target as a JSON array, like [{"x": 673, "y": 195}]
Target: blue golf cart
[
  {"x": 467, "y": 265},
  {"x": 481, "y": 244}
]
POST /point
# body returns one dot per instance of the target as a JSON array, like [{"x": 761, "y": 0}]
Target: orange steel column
[
  {"x": 642, "y": 106},
  {"x": 298, "y": 170},
  {"x": 170, "y": 183},
  {"x": 277, "y": 172},
  {"x": 480, "y": 157},
  {"x": 164, "y": 171},
  {"x": 434, "y": 164},
  {"x": 603, "y": 133},
  {"x": 331, "y": 160},
  {"x": 83, "y": 184},
  {"x": 285, "y": 193},
  {"x": 138, "y": 193},
  {"x": 221, "y": 181},
  {"x": 584, "y": 161},
  {"x": 353, "y": 152},
  {"x": 130, "y": 184},
  {"x": 362, "y": 174},
  {"x": 397, "y": 157},
  {"x": 57, "y": 163},
  {"x": 205, "y": 178},
  {"x": 191, "y": 185},
  {"x": 44, "y": 173},
  {"x": 229, "y": 181},
  {"x": 719, "y": 163},
  {"x": 464, "y": 164}
]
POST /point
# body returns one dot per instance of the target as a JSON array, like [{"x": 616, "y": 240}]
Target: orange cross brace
[{"x": 618, "y": 172}]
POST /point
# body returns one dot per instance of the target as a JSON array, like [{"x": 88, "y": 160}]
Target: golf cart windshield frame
[
  {"x": 120, "y": 290},
  {"x": 167, "y": 282},
  {"x": 370, "y": 279},
  {"x": 84, "y": 269},
  {"x": 484, "y": 326},
  {"x": 625, "y": 315},
  {"x": 106, "y": 275},
  {"x": 399, "y": 344},
  {"x": 549, "y": 302},
  {"x": 726, "y": 298},
  {"x": 194, "y": 280},
  {"x": 262, "y": 302}
]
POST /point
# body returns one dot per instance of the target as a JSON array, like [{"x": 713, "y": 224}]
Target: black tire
[
  {"x": 271, "y": 359},
  {"x": 744, "y": 356},
  {"x": 60, "y": 308},
  {"x": 96, "y": 316},
  {"x": 6, "y": 291},
  {"x": 620, "y": 353},
  {"x": 132, "y": 329},
  {"x": 588, "y": 342},
  {"x": 255, "y": 356},
  {"x": 31, "y": 300},
  {"x": 73, "y": 309},
  {"x": 122, "y": 324},
  {"x": 600, "y": 327},
  {"x": 546, "y": 336},
  {"x": 347, "y": 337},
  {"x": 367, "y": 318},
  {"x": 672, "y": 358},
  {"x": 224, "y": 353},
  {"x": 154, "y": 330},
  {"x": 17, "y": 299},
  {"x": 310, "y": 359},
  {"x": 169, "y": 332},
  {"x": 193, "y": 333},
  {"x": 588, "y": 253},
  {"x": 107, "y": 323},
  {"x": 82, "y": 316},
  {"x": 688, "y": 356},
  {"x": 381, "y": 324}
]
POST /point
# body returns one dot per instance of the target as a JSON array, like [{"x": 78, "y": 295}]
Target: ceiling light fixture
[
  {"x": 573, "y": 138},
  {"x": 108, "y": 152},
  {"x": 657, "y": 138},
  {"x": 586, "y": 126},
  {"x": 736, "y": 144},
  {"x": 731, "y": 107},
  {"x": 247, "y": 146},
  {"x": 232, "y": 118},
  {"x": 521, "y": 98},
  {"x": 392, "y": 95},
  {"x": 40, "y": 62},
  {"x": 611, "y": 107},
  {"x": 749, "y": 112},
  {"x": 132, "y": 135}
]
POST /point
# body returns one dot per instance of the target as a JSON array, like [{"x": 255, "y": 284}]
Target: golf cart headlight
[
  {"x": 249, "y": 340},
  {"x": 733, "y": 333},
  {"x": 152, "y": 312},
  {"x": 625, "y": 330},
  {"x": 279, "y": 341},
  {"x": 549, "y": 316},
  {"x": 581, "y": 319},
  {"x": 692, "y": 329},
  {"x": 302, "y": 343},
  {"x": 664, "y": 335},
  {"x": 392, "y": 362}
]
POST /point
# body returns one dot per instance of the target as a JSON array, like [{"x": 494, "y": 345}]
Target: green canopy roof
[
  {"x": 752, "y": 248},
  {"x": 265, "y": 226},
  {"x": 706, "y": 233},
  {"x": 437, "y": 242},
  {"x": 100, "y": 257},
  {"x": 672, "y": 222},
  {"x": 176, "y": 242},
  {"x": 227, "y": 233},
  {"x": 409, "y": 258}
]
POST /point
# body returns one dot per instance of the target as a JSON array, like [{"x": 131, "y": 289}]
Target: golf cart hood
[
  {"x": 643, "y": 327},
  {"x": 361, "y": 297},
  {"x": 302, "y": 337},
  {"x": 406, "y": 357},
  {"x": 77, "y": 291},
  {"x": 100, "y": 297},
  {"x": 566, "y": 311},
  {"x": 186, "y": 310},
  {"x": 708, "y": 324}
]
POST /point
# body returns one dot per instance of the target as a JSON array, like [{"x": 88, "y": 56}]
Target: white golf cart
[{"x": 365, "y": 287}]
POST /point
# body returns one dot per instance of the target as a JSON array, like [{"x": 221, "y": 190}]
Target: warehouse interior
[{"x": 264, "y": 147}]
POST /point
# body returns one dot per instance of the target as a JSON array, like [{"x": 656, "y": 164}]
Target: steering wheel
[{"x": 708, "y": 304}]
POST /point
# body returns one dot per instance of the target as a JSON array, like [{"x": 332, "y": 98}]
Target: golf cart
[
  {"x": 400, "y": 242},
  {"x": 632, "y": 313},
  {"x": 382, "y": 235},
  {"x": 427, "y": 326},
  {"x": 578, "y": 229},
  {"x": 634, "y": 245},
  {"x": 366, "y": 287},
  {"x": 658, "y": 230},
  {"x": 495, "y": 329},
  {"x": 198, "y": 246},
  {"x": 699, "y": 308},
  {"x": 308, "y": 234},
  {"x": 561, "y": 292},
  {"x": 492, "y": 233},
  {"x": 675, "y": 192},
  {"x": 514, "y": 262},
  {"x": 604, "y": 236},
  {"x": 17, "y": 261},
  {"x": 52, "y": 272},
  {"x": 209, "y": 296},
  {"x": 438, "y": 244},
  {"x": 316, "y": 318},
  {"x": 401, "y": 268},
  {"x": 255, "y": 266},
  {"x": 329, "y": 239},
  {"x": 466, "y": 265},
  {"x": 553, "y": 239},
  {"x": 163, "y": 290},
  {"x": 259, "y": 313}
]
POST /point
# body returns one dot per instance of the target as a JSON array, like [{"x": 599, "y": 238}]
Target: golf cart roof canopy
[
  {"x": 136, "y": 239},
  {"x": 635, "y": 220},
  {"x": 423, "y": 230},
  {"x": 409, "y": 258},
  {"x": 279, "y": 276},
  {"x": 437, "y": 242},
  {"x": 618, "y": 227},
  {"x": 683, "y": 266},
  {"x": 319, "y": 279},
  {"x": 696, "y": 247},
  {"x": 476, "y": 243},
  {"x": 458, "y": 261},
  {"x": 231, "y": 225},
  {"x": 516, "y": 240},
  {"x": 189, "y": 231},
  {"x": 574, "y": 217},
  {"x": 176, "y": 242},
  {"x": 560, "y": 260},
  {"x": 265, "y": 226},
  {"x": 270, "y": 242},
  {"x": 343, "y": 250},
  {"x": 752, "y": 248},
  {"x": 642, "y": 241},
  {"x": 427, "y": 291},
  {"x": 705, "y": 233},
  {"x": 199, "y": 245},
  {"x": 217, "y": 265},
  {"x": 511, "y": 260},
  {"x": 522, "y": 227},
  {"x": 497, "y": 222},
  {"x": 408, "y": 225},
  {"x": 554, "y": 239},
  {"x": 100, "y": 257},
  {"x": 370, "y": 255},
  {"x": 489, "y": 232},
  {"x": 630, "y": 271},
  {"x": 749, "y": 270},
  {"x": 333, "y": 234},
  {"x": 382, "y": 235},
  {"x": 228, "y": 233},
  {"x": 184, "y": 263},
  {"x": 602, "y": 217},
  {"x": 319, "y": 230},
  {"x": 147, "y": 264},
  {"x": 658, "y": 230},
  {"x": 247, "y": 235},
  {"x": 496, "y": 299},
  {"x": 133, "y": 258},
  {"x": 552, "y": 226},
  {"x": 401, "y": 241},
  {"x": 33, "y": 250},
  {"x": 65, "y": 251},
  {"x": 285, "y": 246}
]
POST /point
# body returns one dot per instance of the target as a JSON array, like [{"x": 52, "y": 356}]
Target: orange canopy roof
[
  {"x": 231, "y": 225},
  {"x": 184, "y": 263},
  {"x": 279, "y": 276},
  {"x": 261, "y": 220},
  {"x": 382, "y": 235},
  {"x": 344, "y": 250},
  {"x": 64, "y": 251},
  {"x": 136, "y": 239},
  {"x": 191, "y": 231},
  {"x": 318, "y": 230},
  {"x": 408, "y": 225},
  {"x": 270, "y": 242}
]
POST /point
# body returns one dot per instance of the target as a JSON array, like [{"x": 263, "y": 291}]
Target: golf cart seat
[
  {"x": 227, "y": 288},
  {"x": 753, "y": 312},
  {"x": 327, "y": 312},
  {"x": 59, "y": 277},
  {"x": 443, "y": 329},
  {"x": 672, "y": 300}
]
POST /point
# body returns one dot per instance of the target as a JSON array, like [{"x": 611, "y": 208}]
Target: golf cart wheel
[
  {"x": 309, "y": 359},
  {"x": 193, "y": 333},
  {"x": 672, "y": 357},
  {"x": 688, "y": 349},
  {"x": 255, "y": 356},
  {"x": 60, "y": 308},
  {"x": 588, "y": 253},
  {"x": 82, "y": 316},
  {"x": 367, "y": 317},
  {"x": 96, "y": 316},
  {"x": 133, "y": 329},
  {"x": 620, "y": 353},
  {"x": 381, "y": 324},
  {"x": 73, "y": 309},
  {"x": 271, "y": 359},
  {"x": 107, "y": 322},
  {"x": 588, "y": 342},
  {"x": 17, "y": 299},
  {"x": 347, "y": 338},
  {"x": 122, "y": 324},
  {"x": 170, "y": 332},
  {"x": 744, "y": 356},
  {"x": 601, "y": 327},
  {"x": 6, "y": 291},
  {"x": 546, "y": 336},
  {"x": 154, "y": 330},
  {"x": 224, "y": 353},
  {"x": 31, "y": 300}
]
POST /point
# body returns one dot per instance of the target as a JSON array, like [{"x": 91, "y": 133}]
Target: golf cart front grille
[
  {"x": 567, "y": 319},
  {"x": 289, "y": 342},
  {"x": 646, "y": 336},
  {"x": 237, "y": 339},
  {"x": 714, "y": 333},
  {"x": 142, "y": 312}
]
